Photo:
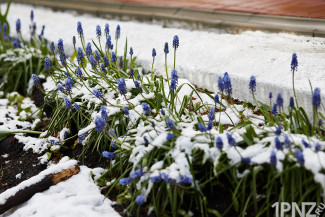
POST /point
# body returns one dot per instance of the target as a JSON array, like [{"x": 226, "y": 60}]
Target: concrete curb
[{"x": 231, "y": 22}]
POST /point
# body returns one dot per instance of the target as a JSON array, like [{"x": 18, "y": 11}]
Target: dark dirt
[{"x": 18, "y": 161}]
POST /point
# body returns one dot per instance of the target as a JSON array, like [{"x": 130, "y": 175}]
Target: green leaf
[{"x": 214, "y": 212}]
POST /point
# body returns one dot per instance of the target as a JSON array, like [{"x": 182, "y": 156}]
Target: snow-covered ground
[
  {"x": 77, "y": 196},
  {"x": 202, "y": 55}
]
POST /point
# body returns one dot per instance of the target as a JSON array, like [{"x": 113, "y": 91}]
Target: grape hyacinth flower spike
[
  {"x": 18, "y": 26},
  {"x": 100, "y": 124},
  {"x": 300, "y": 157},
  {"x": 292, "y": 102},
  {"x": 36, "y": 80},
  {"x": 98, "y": 32},
  {"x": 98, "y": 94},
  {"x": 202, "y": 128},
  {"x": 108, "y": 155},
  {"x": 52, "y": 47},
  {"x": 273, "y": 160},
  {"x": 113, "y": 57},
  {"x": 106, "y": 30},
  {"x": 47, "y": 63},
  {"x": 219, "y": 143},
  {"x": 121, "y": 86},
  {"x": 252, "y": 84},
  {"x": 80, "y": 56},
  {"x": 93, "y": 61},
  {"x": 32, "y": 15},
  {"x": 279, "y": 101},
  {"x": 316, "y": 98},
  {"x": 67, "y": 103},
  {"x": 140, "y": 200},
  {"x": 131, "y": 53},
  {"x": 79, "y": 29},
  {"x": 294, "y": 67},
  {"x": 175, "y": 46},
  {"x": 146, "y": 108},
  {"x": 170, "y": 123},
  {"x": 89, "y": 51},
  {"x": 77, "y": 107},
  {"x": 227, "y": 84}
]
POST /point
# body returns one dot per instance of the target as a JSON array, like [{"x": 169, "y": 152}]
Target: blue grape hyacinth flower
[
  {"x": 118, "y": 32},
  {"x": 278, "y": 130},
  {"x": 211, "y": 114},
  {"x": 231, "y": 140},
  {"x": 252, "y": 84},
  {"x": 219, "y": 143},
  {"x": 170, "y": 136},
  {"x": 140, "y": 200},
  {"x": 100, "y": 124},
  {"x": 216, "y": 99},
  {"x": 316, "y": 98},
  {"x": 60, "y": 46},
  {"x": 175, "y": 42},
  {"x": 80, "y": 56},
  {"x": 89, "y": 51},
  {"x": 32, "y": 15},
  {"x": 47, "y": 63},
  {"x": 274, "y": 109},
  {"x": 227, "y": 84},
  {"x": 121, "y": 86},
  {"x": 137, "y": 173},
  {"x": 60, "y": 88},
  {"x": 126, "y": 111},
  {"x": 67, "y": 103},
  {"x": 103, "y": 112},
  {"x": 52, "y": 47},
  {"x": 300, "y": 157},
  {"x": 108, "y": 155},
  {"x": 170, "y": 123},
  {"x": 294, "y": 62},
  {"x": 137, "y": 85},
  {"x": 81, "y": 137},
  {"x": 221, "y": 85},
  {"x": 35, "y": 79},
  {"x": 185, "y": 180},
  {"x": 97, "y": 55},
  {"x": 79, "y": 29},
  {"x": 93, "y": 61},
  {"x": 106, "y": 29},
  {"x": 76, "y": 107},
  {"x": 106, "y": 62},
  {"x": 287, "y": 141},
  {"x": 279, "y": 100},
  {"x": 113, "y": 57},
  {"x": 154, "y": 52},
  {"x": 18, "y": 26},
  {"x": 273, "y": 160},
  {"x": 166, "y": 49},
  {"x": 292, "y": 102},
  {"x": 125, "y": 181},
  {"x": 102, "y": 67},
  {"x": 146, "y": 108},
  {"x": 79, "y": 72},
  {"x": 202, "y": 128},
  {"x": 246, "y": 160},
  {"x": 131, "y": 51},
  {"x": 278, "y": 144},
  {"x": 98, "y": 31},
  {"x": 306, "y": 144},
  {"x": 98, "y": 94},
  {"x": 68, "y": 85}
]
